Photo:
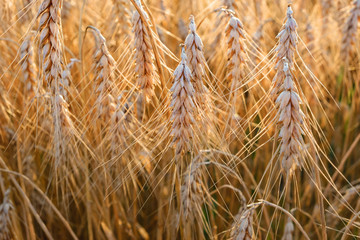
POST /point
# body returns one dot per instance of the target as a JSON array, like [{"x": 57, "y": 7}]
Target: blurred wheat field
[{"x": 191, "y": 119}]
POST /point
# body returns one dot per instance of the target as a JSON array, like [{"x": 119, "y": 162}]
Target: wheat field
[{"x": 179, "y": 119}]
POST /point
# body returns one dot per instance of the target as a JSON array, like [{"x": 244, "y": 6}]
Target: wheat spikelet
[
  {"x": 28, "y": 67},
  {"x": 286, "y": 48},
  {"x": 236, "y": 52},
  {"x": 146, "y": 76},
  {"x": 288, "y": 231},
  {"x": 183, "y": 105},
  {"x": 242, "y": 228},
  {"x": 195, "y": 56},
  {"x": 5, "y": 208},
  {"x": 290, "y": 119},
  {"x": 349, "y": 31}
]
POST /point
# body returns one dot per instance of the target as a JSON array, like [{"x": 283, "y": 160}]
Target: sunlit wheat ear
[
  {"x": 104, "y": 65},
  {"x": 120, "y": 12},
  {"x": 120, "y": 124},
  {"x": 28, "y": 68},
  {"x": 5, "y": 208},
  {"x": 242, "y": 228},
  {"x": 230, "y": 4},
  {"x": 192, "y": 198},
  {"x": 290, "y": 118},
  {"x": 286, "y": 47},
  {"x": 340, "y": 205},
  {"x": 196, "y": 59},
  {"x": 64, "y": 87},
  {"x": 182, "y": 104},
  {"x": 236, "y": 52},
  {"x": 50, "y": 42},
  {"x": 63, "y": 127},
  {"x": 349, "y": 31},
  {"x": 147, "y": 77},
  {"x": 288, "y": 230},
  {"x": 52, "y": 60},
  {"x": 5, "y": 111},
  {"x": 66, "y": 10}
]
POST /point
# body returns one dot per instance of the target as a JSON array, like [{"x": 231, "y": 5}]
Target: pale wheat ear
[
  {"x": 289, "y": 230},
  {"x": 104, "y": 66},
  {"x": 28, "y": 67},
  {"x": 5, "y": 220},
  {"x": 286, "y": 47},
  {"x": 242, "y": 228},
  {"x": 349, "y": 32},
  {"x": 192, "y": 198},
  {"x": 291, "y": 120},
  {"x": 183, "y": 106}
]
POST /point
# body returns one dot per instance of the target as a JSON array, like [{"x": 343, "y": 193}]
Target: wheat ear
[
  {"x": 146, "y": 76},
  {"x": 349, "y": 31},
  {"x": 5, "y": 208},
  {"x": 104, "y": 65},
  {"x": 183, "y": 106},
  {"x": 195, "y": 56},
  {"x": 288, "y": 231},
  {"x": 242, "y": 228},
  {"x": 286, "y": 48},
  {"x": 28, "y": 67},
  {"x": 291, "y": 120}
]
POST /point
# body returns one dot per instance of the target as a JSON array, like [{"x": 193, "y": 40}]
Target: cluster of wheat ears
[{"x": 179, "y": 119}]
